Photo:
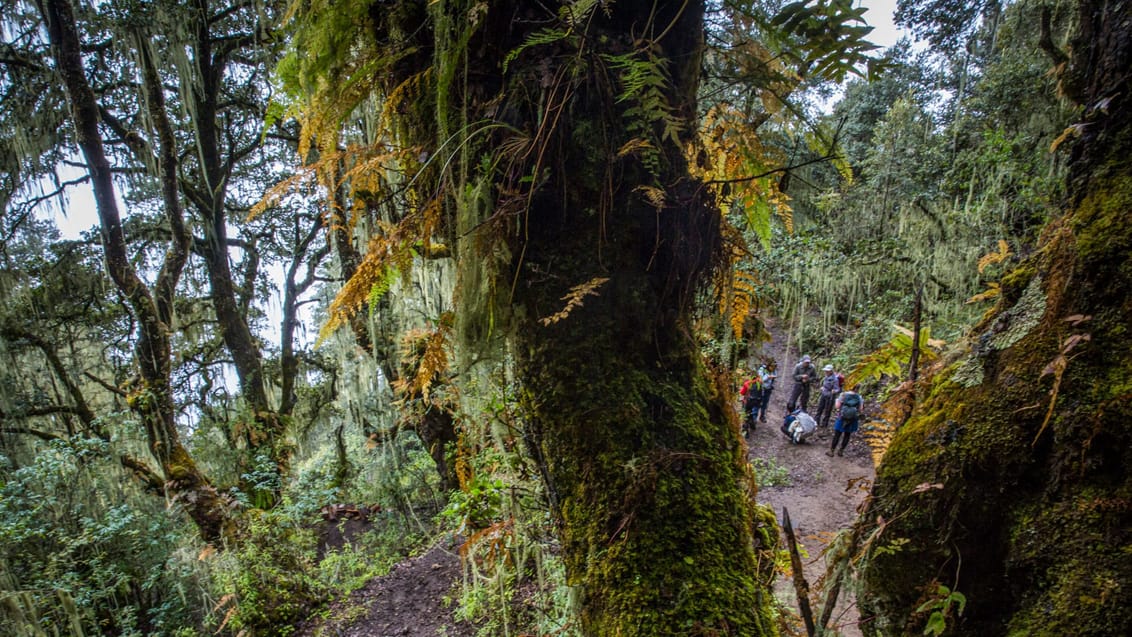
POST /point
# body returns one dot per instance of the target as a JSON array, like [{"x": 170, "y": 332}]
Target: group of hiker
[{"x": 798, "y": 424}]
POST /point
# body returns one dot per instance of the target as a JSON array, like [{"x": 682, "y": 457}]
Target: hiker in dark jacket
[
  {"x": 848, "y": 416},
  {"x": 804, "y": 376},
  {"x": 766, "y": 373},
  {"x": 830, "y": 388}
]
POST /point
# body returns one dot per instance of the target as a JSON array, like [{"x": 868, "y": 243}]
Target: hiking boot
[
  {"x": 829, "y": 453},
  {"x": 762, "y": 419},
  {"x": 841, "y": 452}
]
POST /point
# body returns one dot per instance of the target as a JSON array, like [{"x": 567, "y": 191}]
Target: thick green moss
[{"x": 1028, "y": 515}]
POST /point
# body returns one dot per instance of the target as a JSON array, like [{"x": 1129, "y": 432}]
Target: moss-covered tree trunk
[
  {"x": 573, "y": 185},
  {"x": 1011, "y": 481}
]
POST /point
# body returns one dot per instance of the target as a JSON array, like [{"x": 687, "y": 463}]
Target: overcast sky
[{"x": 879, "y": 16}]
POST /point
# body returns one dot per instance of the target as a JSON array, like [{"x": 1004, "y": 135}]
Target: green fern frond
[
  {"x": 889, "y": 359},
  {"x": 538, "y": 38}
]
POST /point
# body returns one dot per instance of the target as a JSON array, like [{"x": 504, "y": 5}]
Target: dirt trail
[{"x": 822, "y": 493}]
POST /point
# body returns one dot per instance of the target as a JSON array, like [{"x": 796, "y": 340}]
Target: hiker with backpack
[
  {"x": 804, "y": 376},
  {"x": 830, "y": 388},
  {"x": 752, "y": 393},
  {"x": 848, "y": 419},
  {"x": 766, "y": 375}
]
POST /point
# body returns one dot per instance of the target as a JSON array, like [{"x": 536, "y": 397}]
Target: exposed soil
[
  {"x": 410, "y": 601},
  {"x": 821, "y": 493}
]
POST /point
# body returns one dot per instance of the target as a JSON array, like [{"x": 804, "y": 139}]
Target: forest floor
[{"x": 822, "y": 494}]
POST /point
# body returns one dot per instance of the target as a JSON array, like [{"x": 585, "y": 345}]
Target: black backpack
[
  {"x": 751, "y": 400},
  {"x": 851, "y": 406}
]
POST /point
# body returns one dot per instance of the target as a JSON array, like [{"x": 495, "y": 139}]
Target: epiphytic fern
[
  {"x": 889, "y": 359},
  {"x": 895, "y": 410},
  {"x": 574, "y": 298},
  {"x": 995, "y": 256},
  {"x": 740, "y": 170},
  {"x": 738, "y": 299},
  {"x": 424, "y": 360},
  {"x": 643, "y": 79}
]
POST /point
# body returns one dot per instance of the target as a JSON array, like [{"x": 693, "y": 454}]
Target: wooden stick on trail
[{"x": 800, "y": 584}]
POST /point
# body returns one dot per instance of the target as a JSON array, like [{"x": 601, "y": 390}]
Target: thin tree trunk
[
  {"x": 269, "y": 430},
  {"x": 801, "y": 586},
  {"x": 917, "y": 325},
  {"x": 152, "y": 398}
]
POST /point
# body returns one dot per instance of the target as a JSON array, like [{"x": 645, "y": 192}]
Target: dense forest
[{"x": 368, "y": 277}]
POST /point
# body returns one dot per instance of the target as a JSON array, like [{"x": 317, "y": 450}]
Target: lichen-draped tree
[
  {"x": 563, "y": 136},
  {"x": 1010, "y": 482},
  {"x": 152, "y": 399}
]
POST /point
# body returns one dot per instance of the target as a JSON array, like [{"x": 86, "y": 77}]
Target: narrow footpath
[{"x": 821, "y": 493}]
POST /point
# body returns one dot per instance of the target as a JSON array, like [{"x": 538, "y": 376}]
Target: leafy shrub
[
  {"x": 270, "y": 581},
  {"x": 72, "y": 560}
]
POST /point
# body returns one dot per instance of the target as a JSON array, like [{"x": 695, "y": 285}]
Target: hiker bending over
[
  {"x": 798, "y": 426},
  {"x": 804, "y": 376},
  {"x": 849, "y": 415},
  {"x": 830, "y": 388}
]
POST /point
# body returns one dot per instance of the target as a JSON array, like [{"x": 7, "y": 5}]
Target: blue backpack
[{"x": 851, "y": 406}]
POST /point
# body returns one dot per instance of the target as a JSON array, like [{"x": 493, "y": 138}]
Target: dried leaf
[{"x": 1074, "y": 341}]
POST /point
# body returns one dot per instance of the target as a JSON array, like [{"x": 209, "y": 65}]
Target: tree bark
[
  {"x": 1010, "y": 482},
  {"x": 152, "y": 398},
  {"x": 210, "y": 199},
  {"x": 642, "y": 455}
]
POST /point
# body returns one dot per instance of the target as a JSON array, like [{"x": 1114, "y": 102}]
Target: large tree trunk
[
  {"x": 1010, "y": 482},
  {"x": 152, "y": 399},
  {"x": 645, "y": 468}
]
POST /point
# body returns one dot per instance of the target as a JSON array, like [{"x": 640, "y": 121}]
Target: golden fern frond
[
  {"x": 895, "y": 411},
  {"x": 740, "y": 308},
  {"x": 728, "y": 154},
  {"x": 275, "y": 194},
  {"x": 993, "y": 257},
  {"x": 574, "y": 299},
  {"x": 655, "y": 196},
  {"x": 992, "y": 291},
  {"x": 434, "y": 361},
  {"x": 634, "y": 145},
  {"x": 409, "y": 89},
  {"x": 424, "y": 359},
  {"x": 744, "y": 298},
  {"x": 353, "y": 295},
  {"x": 878, "y": 435}
]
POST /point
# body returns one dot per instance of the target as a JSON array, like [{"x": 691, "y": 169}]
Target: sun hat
[{"x": 827, "y": 368}]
